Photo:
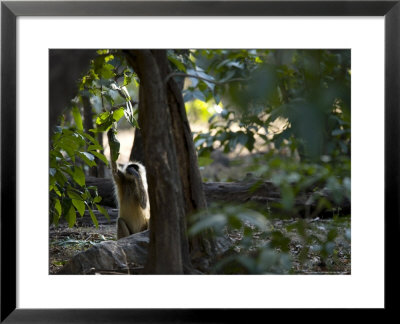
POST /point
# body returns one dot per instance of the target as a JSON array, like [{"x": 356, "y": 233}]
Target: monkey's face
[
  {"x": 132, "y": 170},
  {"x": 132, "y": 184}
]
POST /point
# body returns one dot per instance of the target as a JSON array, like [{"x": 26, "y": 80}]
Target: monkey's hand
[
  {"x": 114, "y": 145},
  {"x": 110, "y": 134},
  {"x": 114, "y": 153}
]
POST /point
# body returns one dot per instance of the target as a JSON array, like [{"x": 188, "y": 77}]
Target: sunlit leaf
[
  {"x": 77, "y": 117},
  {"x": 117, "y": 114}
]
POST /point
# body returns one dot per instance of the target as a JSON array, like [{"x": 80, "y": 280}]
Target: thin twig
[
  {"x": 173, "y": 74},
  {"x": 113, "y": 108}
]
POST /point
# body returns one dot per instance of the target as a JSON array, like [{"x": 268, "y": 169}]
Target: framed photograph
[{"x": 292, "y": 59}]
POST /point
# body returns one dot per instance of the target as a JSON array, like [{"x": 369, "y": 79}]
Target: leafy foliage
[
  {"x": 292, "y": 106},
  {"x": 108, "y": 79},
  {"x": 306, "y": 90},
  {"x": 71, "y": 151},
  {"x": 293, "y": 178},
  {"x": 242, "y": 221}
]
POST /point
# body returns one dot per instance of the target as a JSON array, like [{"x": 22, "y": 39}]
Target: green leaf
[
  {"x": 132, "y": 120},
  {"x": 179, "y": 65},
  {"x": 332, "y": 234},
  {"x": 88, "y": 158},
  {"x": 199, "y": 95},
  {"x": 250, "y": 143},
  {"x": 280, "y": 241},
  {"x": 77, "y": 117},
  {"x": 94, "y": 148},
  {"x": 71, "y": 216},
  {"x": 203, "y": 161},
  {"x": 216, "y": 222},
  {"x": 92, "y": 139},
  {"x": 60, "y": 178},
  {"x": 57, "y": 191},
  {"x": 57, "y": 206},
  {"x": 242, "y": 138},
  {"x": 109, "y": 99},
  {"x": 103, "y": 117},
  {"x": 79, "y": 176},
  {"x": 202, "y": 86},
  {"x": 102, "y": 52},
  {"x": 107, "y": 71},
  {"x": 337, "y": 132},
  {"x": 217, "y": 98},
  {"x": 103, "y": 211},
  {"x": 100, "y": 156},
  {"x": 200, "y": 142},
  {"x": 93, "y": 217},
  {"x": 117, "y": 114},
  {"x": 254, "y": 218},
  {"x": 288, "y": 197},
  {"x": 72, "y": 194},
  {"x": 79, "y": 205},
  {"x": 127, "y": 79}
]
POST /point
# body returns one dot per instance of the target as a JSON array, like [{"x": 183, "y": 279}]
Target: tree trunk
[
  {"x": 200, "y": 245},
  {"x": 165, "y": 191},
  {"x": 137, "y": 153},
  {"x": 189, "y": 174}
]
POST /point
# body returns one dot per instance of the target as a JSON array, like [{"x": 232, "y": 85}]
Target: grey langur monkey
[{"x": 130, "y": 185}]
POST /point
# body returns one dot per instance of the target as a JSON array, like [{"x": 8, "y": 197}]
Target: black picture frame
[{"x": 11, "y": 10}]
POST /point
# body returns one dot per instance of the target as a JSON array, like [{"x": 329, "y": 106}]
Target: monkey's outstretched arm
[{"x": 117, "y": 174}]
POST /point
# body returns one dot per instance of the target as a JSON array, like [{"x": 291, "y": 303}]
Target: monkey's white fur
[{"x": 131, "y": 195}]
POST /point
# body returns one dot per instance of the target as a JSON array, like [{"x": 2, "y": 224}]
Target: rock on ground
[{"x": 127, "y": 253}]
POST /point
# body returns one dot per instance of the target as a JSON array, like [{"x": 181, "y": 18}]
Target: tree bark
[
  {"x": 165, "y": 191},
  {"x": 137, "y": 153},
  {"x": 188, "y": 167},
  {"x": 199, "y": 245}
]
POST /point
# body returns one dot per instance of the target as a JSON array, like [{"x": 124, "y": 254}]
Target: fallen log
[{"x": 264, "y": 193}]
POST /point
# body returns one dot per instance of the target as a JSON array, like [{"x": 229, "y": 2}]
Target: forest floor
[{"x": 306, "y": 257}]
